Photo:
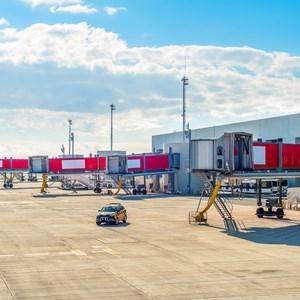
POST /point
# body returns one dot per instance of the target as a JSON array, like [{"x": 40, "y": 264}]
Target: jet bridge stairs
[{"x": 222, "y": 204}]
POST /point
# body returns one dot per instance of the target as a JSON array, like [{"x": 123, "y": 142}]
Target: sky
[{"x": 70, "y": 59}]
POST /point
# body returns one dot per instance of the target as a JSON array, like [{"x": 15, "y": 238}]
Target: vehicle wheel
[
  {"x": 98, "y": 223},
  {"x": 144, "y": 192},
  {"x": 125, "y": 220},
  {"x": 11, "y": 185},
  {"x": 260, "y": 212},
  {"x": 5, "y": 185},
  {"x": 279, "y": 213},
  {"x": 134, "y": 192}
]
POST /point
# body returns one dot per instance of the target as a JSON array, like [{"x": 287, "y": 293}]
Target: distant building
[{"x": 283, "y": 128}]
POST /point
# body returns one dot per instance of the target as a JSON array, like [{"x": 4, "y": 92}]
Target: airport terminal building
[{"x": 284, "y": 129}]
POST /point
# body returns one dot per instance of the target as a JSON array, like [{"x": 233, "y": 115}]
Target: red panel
[
  {"x": 55, "y": 165},
  {"x": 136, "y": 157},
  {"x": 20, "y": 164},
  {"x": 5, "y": 164},
  {"x": 290, "y": 156},
  {"x": 157, "y": 162},
  {"x": 91, "y": 164},
  {"x": 102, "y": 163},
  {"x": 271, "y": 156}
]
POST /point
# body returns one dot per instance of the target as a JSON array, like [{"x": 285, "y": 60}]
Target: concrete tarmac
[{"x": 51, "y": 248}]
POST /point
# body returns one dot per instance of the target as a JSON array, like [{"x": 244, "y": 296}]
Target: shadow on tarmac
[
  {"x": 286, "y": 235},
  {"x": 144, "y": 197},
  {"x": 106, "y": 225}
]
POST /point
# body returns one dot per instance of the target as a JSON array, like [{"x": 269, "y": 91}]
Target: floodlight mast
[
  {"x": 112, "y": 108},
  {"x": 70, "y": 130},
  {"x": 185, "y": 82}
]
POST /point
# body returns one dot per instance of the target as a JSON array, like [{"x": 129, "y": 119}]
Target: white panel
[
  {"x": 73, "y": 164},
  {"x": 133, "y": 163},
  {"x": 203, "y": 155},
  {"x": 259, "y": 155},
  {"x": 1, "y": 163}
]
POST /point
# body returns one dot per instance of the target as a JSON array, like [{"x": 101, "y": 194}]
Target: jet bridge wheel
[
  {"x": 260, "y": 212},
  {"x": 97, "y": 190},
  {"x": 279, "y": 213}
]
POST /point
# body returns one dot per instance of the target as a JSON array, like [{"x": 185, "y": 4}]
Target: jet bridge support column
[
  {"x": 44, "y": 184},
  {"x": 258, "y": 192}
]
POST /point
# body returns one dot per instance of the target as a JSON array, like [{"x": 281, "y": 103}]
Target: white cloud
[
  {"x": 63, "y": 6},
  {"x": 110, "y": 10},
  {"x": 227, "y": 84},
  {"x": 88, "y": 128},
  {"x": 3, "y": 22},
  {"x": 36, "y": 3},
  {"x": 74, "y": 9}
]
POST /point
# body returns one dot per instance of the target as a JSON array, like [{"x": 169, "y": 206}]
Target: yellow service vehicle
[{"x": 112, "y": 213}]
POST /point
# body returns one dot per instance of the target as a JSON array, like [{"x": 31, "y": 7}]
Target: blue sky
[
  {"x": 63, "y": 59},
  {"x": 272, "y": 25}
]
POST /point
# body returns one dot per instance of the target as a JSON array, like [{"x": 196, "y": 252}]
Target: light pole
[
  {"x": 185, "y": 82},
  {"x": 63, "y": 150},
  {"x": 73, "y": 142},
  {"x": 112, "y": 108},
  {"x": 70, "y": 129}
]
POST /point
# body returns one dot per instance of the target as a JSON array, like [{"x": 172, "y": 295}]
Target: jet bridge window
[{"x": 220, "y": 150}]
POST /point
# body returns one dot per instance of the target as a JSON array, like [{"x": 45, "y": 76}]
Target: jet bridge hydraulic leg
[{"x": 44, "y": 184}]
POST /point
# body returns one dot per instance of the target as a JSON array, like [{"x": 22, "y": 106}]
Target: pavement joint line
[{"x": 36, "y": 254}]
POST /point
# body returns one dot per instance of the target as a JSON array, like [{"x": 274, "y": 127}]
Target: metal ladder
[
  {"x": 225, "y": 208},
  {"x": 223, "y": 205}
]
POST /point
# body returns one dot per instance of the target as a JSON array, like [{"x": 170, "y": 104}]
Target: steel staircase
[{"x": 223, "y": 205}]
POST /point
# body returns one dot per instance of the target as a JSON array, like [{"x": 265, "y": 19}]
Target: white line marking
[
  {"x": 78, "y": 252},
  {"x": 36, "y": 254}
]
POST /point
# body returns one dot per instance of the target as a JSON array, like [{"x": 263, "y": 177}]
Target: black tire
[
  {"x": 134, "y": 192},
  {"x": 5, "y": 185},
  {"x": 98, "y": 223},
  {"x": 125, "y": 220},
  {"x": 144, "y": 192},
  {"x": 279, "y": 213},
  {"x": 11, "y": 185},
  {"x": 260, "y": 212}
]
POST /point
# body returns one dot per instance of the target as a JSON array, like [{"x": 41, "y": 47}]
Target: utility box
[
  {"x": 202, "y": 154},
  {"x": 116, "y": 164},
  {"x": 233, "y": 152},
  {"x": 38, "y": 164}
]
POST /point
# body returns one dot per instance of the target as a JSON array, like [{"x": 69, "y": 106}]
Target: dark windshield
[{"x": 110, "y": 208}]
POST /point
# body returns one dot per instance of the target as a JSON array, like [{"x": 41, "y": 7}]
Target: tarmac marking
[
  {"x": 36, "y": 254},
  {"x": 101, "y": 249},
  {"x": 78, "y": 252}
]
